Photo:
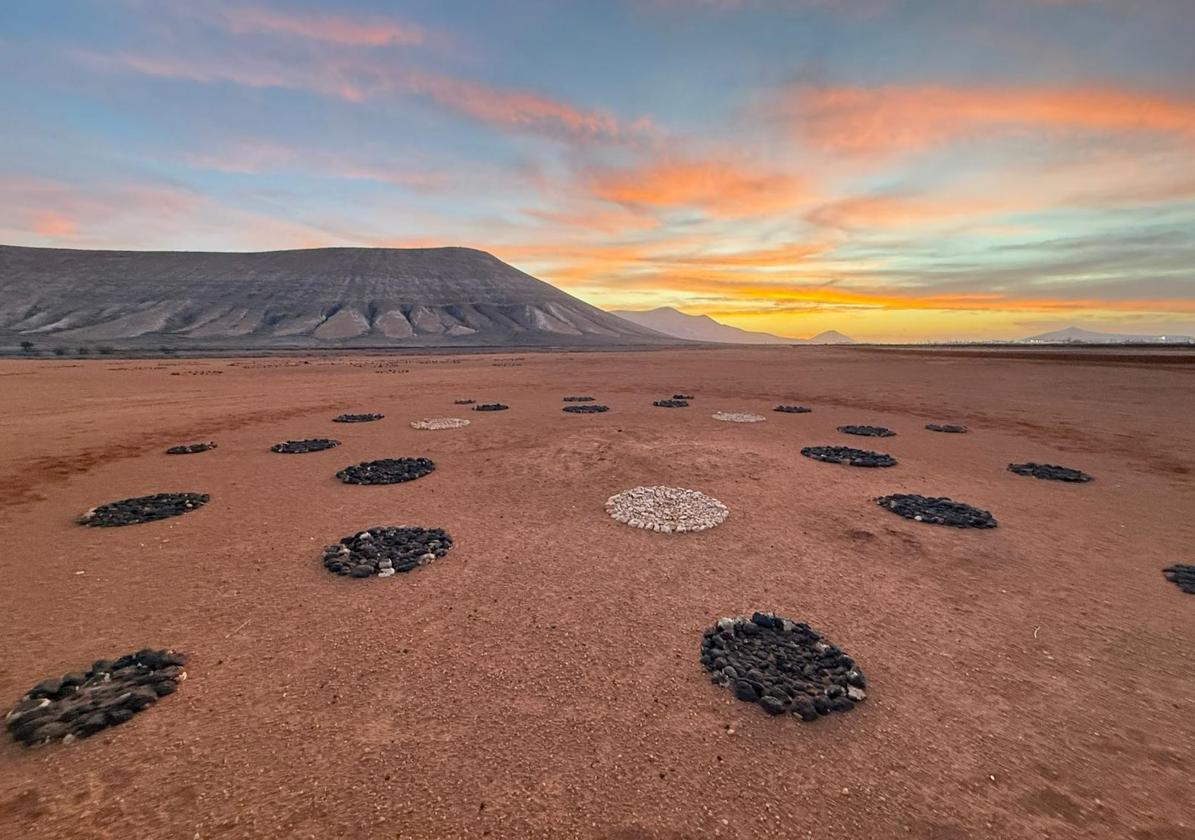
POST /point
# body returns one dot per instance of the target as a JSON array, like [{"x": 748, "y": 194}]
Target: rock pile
[
  {"x": 386, "y": 550},
  {"x": 357, "y": 418},
  {"x": 736, "y": 417},
  {"x": 299, "y": 447},
  {"x": 586, "y": 409},
  {"x": 784, "y": 666},
  {"x": 433, "y": 424},
  {"x": 1181, "y": 576},
  {"x": 682, "y": 396},
  {"x": 937, "y": 510},
  {"x": 578, "y": 399},
  {"x": 792, "y": 409},
  {"x": 1049, "y": 471},
  {"x": 490, "y": 407},
  {"x": 946, "y": 427},
  {"x": 867, "y": 431},
  {"x": 462, "y": 402},
  {"x": 143, "y": 509},
  {"x": 386, "y": 471},
  {"x": 81, "y": 703},
  {"x": 847, "y": 455},
  {"x": 190, "y": 448},
  {"x": 671, "y": 403},
  {"x": 667, "y": 509}
]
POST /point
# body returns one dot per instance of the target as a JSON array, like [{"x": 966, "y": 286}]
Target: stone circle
[
  {"x": 671, "y": 404},
  {"x": 462, "y": 402},
  {"x": 667, "y": 509},
  {"x": 867, "y": 431},
  {"x": 1052, "y": 472},
  {"x": 299, "y": 447},
  {"x": 1182, "y": 576},
  {"x": 792, "y": 409},
  {"x": 490, "y": 407},
  {"x": 433, "y": 424},
  {"x": 386, "y": 471},
  {"x": 949, "y": 428},
  {"x": 586, "y": 409},
  {"x": 384, "y": 551},
  {"x": 143, "y": 509},
  {"x": 579, "y": 399},
  {"x": 784, "y": 666},
  {"x": 737, "y": 417},
  {"x": 81, "y": 703},
  {"x": 849, "y": 456},
  {"x": 937, "y": 510},
  {"x": 682, "y": 396},
  {"x": 357, "y": 418},
  {"x": 190, "y": 448}
]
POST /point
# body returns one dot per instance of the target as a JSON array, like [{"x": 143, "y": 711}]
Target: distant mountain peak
[
  {"x": 673, "y": 322},
  {"x": 1078, "y": 335}
]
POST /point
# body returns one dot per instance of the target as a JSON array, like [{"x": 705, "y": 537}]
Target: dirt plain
[{"x": 542, "y": 680}]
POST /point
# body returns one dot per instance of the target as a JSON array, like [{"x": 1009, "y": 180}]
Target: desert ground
[{"x": 542, "y": 680}]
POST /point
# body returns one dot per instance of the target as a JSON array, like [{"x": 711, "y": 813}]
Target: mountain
[
  {"x": 669, "y": 321},
  {"x": 1081, "y": 336},
  {"x": 364, "y": 297}
]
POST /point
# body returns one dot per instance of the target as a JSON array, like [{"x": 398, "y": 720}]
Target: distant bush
[
  {"x": 106, "y": 349},
  {"x": 59, "y": 351},
  {"x": 84, "y": 351},
  {"x": 27, "y": 346}
]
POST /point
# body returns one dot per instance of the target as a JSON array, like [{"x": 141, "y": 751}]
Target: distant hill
[
  {"x": 671, "y": 322},
  {"x": 1081, "y": 336},
  {"x": 324, "y": 297}
]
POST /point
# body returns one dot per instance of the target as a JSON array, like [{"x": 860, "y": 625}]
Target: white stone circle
[
  {"x": 667, "y": 509},
  {"x": 435, "y": 423},
  {"x": 735, "y": 417}
]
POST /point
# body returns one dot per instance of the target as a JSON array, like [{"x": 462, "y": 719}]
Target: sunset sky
[{"x": 893, "y": 169}]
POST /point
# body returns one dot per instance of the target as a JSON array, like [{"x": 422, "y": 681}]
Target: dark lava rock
[
  {"x": 682, "y": 396},
  {"x": 299, "y": 447},
  {"x": 357, "y": 418},
  {"x": 847, "y": 455},
  {"x": 946, "y": 427},
  {"x": 672, "y": 403},
  {"x": 462, "y": 402},
  {"x": 1049, "y": 471},
  {"x": 386, "y": 550},
  {"x": 783, "y": 665},
  {"x": 190, "y": 448},
  {"x": 386, "y": 471},
  {"x": 143, "y": 509},
  {"x": 937, "y": 510},
  {"x": 585, "y": 409},
  {"x": 578, "y": 399},
  {"x": 80, "y": 704},
  {"x": 1181, "y": 576},
  {"x": 792, "y": 409},
  {"x": 867, "y": 431},
  {"x": 490, "y": 407}
]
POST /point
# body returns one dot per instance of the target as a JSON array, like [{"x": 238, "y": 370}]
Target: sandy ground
[{"x": 542, "y": 680}]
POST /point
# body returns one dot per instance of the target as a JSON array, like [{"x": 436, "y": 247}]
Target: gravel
[
  {"x": 673, "y": 403},
  {"x": 667, "y": 509},
  {"x": 190, "y": 448},
  {"x": 792, "y": 409},
  {"x": 386, "y": 471},
  {"x": 586, "y": 409},
  {"x": 946, "y": 427},
  {"x": 784, "y": 666},
  {"x": 143, "y": 509},
  {"x": 490, "y": 407},
  {"x": 299, "y": 447},
  {"x": 357, "y": 418},
  {"x": 1181, "y": 576},
  {"x": 847, "y": 455},
  {"x": 81, "y": 703},
  {"x": 433, "y": 424},
  {"x": 735, "y": 417},
  {"x": 937, "y": 510},
  {"x": 384, "y": 551},
  {"x": 1052, "y": 472},
  {"x": 867, "y": 431}
]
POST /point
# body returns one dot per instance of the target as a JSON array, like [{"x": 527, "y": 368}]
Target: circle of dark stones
[
  {"x": 950, "y": 428},
  {"x": 849, "y": 456},
  {"x": 357, "y": 418},
  {"x": 190, "y": 448},
  {"x": 586, "y": 409},
  {"x": 682, "y": 396},
  {"x": 386, "y": 471},
  {"x": 867, "y": 431},
  {"x": 81, "y": 703},
  {"x": 462, "y": 402},
  {"x": 1052, "y": 472},
  {"x": 937, "y": 510},
  {"x": 300, "y": 447},
  {"x": 579, "y": 399},
  {"x": 143, "y": 509},
  {"x": 784, "y": 666},
  {"x": 490, "y": 407},
  {"x": 674, "y": 403},
  {"x": 792, "y": 409},
  {"x": 385, "y": 551},
  {"x": 1182, "y": 576}
]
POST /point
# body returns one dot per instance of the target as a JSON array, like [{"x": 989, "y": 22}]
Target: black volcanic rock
[
  {"x": 936, "y": 510},
  {"x": 357, "y": 418},
  {"x": 849, "y": 456},
  {"x": 384, "y": 551},
  {"x": 1052, "y": 472},
  {"x": 792, "y": 409},
  {"x": 949, "y": 428},
  {"x": 672, "y": 403},
  {"x": 867, "y": 431},
  {"x": 1182, "y": 576},
  {"x": 143, "y": 509},
  {"x": 190, "y": 448},
  {"x": 386, "y": 471},
  {"x": 299, "y": 447},
  {"x": 585, "y": 409},
  {"x": 490, "y": 407}
]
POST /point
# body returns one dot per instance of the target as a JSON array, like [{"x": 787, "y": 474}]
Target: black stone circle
[
  {"x": 143, "y": 509},
  {"x": 1052, "y": 472},
  {"x": 462, "y": 402},
  {"x": 578, "y": 399},
  {"x": 81, "y": 703},
  {"x": 949, "y": 428},
  {"x": 937, "y": 510},
  {"x": 867, "y": 431},
  {"x": 673, "y": 403},
  {"x": 190, "y": 448},
  {"x": 682, "y": 396},
  {"x": 399, "y": 548},
  {"x": 585, "y": 409},
  {"x": 849, "y": 456},
  {"x": 792, "y": 409},
  {"x": 490, "y": 407},
  {"x": 1181, "y": 576},
  {"x": 386, "y": 471},
  {"x": 357, "y": 418},
  {"x": 784, "y": 666},
  {"x": 299, "y": 447}
]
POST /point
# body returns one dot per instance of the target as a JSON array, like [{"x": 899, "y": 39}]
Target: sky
[{"x": 898, "y": 170}]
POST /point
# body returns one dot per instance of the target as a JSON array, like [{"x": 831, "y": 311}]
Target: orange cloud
[
  {"x": 333, "y": 28},
  {"x": 49, "y": 223},
  {"x": 891, "y": 212}
]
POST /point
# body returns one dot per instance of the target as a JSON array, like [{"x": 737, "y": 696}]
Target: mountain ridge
[{"x": 670, "y": 321}]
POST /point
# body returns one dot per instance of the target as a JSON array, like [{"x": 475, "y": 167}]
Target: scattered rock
[
  {"x": 867, "y": 431},
  {"x": 682, "y": 396},
  {"x": 462, "y": 402},
  {"x": 792, "y": 409},
  {"x": 667, "y": 509},
  {"x": 386, "y": 471},
  {"x": 673, "y": 403},
  {"x": 383, "y": 551},
  {"x": 436, "y": 423},
  {"x": 490, "y": 407},
  {"x": 586, "y": 409},
  {"x": 735, "y": 417},
  {"x": 357, "y": 418},
  {"x": 946, "y": 427},
  {"x": 143, "y": 509},
  {"x": 299, "y": 447},
  {"x": 190, "y": 448},
  {"x": 847, "y": 455},
  {"x": 1052, "y": 472},
  {"x": 1181, "y": 576},
  {"x": 784, "y": 666},
  {"x": 578, "y": 399},
  {"x": 937, "y": 510}
]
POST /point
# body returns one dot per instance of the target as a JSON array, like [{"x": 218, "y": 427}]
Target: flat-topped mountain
[{"x": 309, "y": 298}]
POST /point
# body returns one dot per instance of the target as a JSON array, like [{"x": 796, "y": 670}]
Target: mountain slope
[
  {"x": 307, "y": 298},
  {"x": 831, "y": 337},
  {"x": 698, "y": 327},
  {"x": 1076, "y": 334}
]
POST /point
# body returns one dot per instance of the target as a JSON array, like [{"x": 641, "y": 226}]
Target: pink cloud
[{"x": 337, "y": 29}]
